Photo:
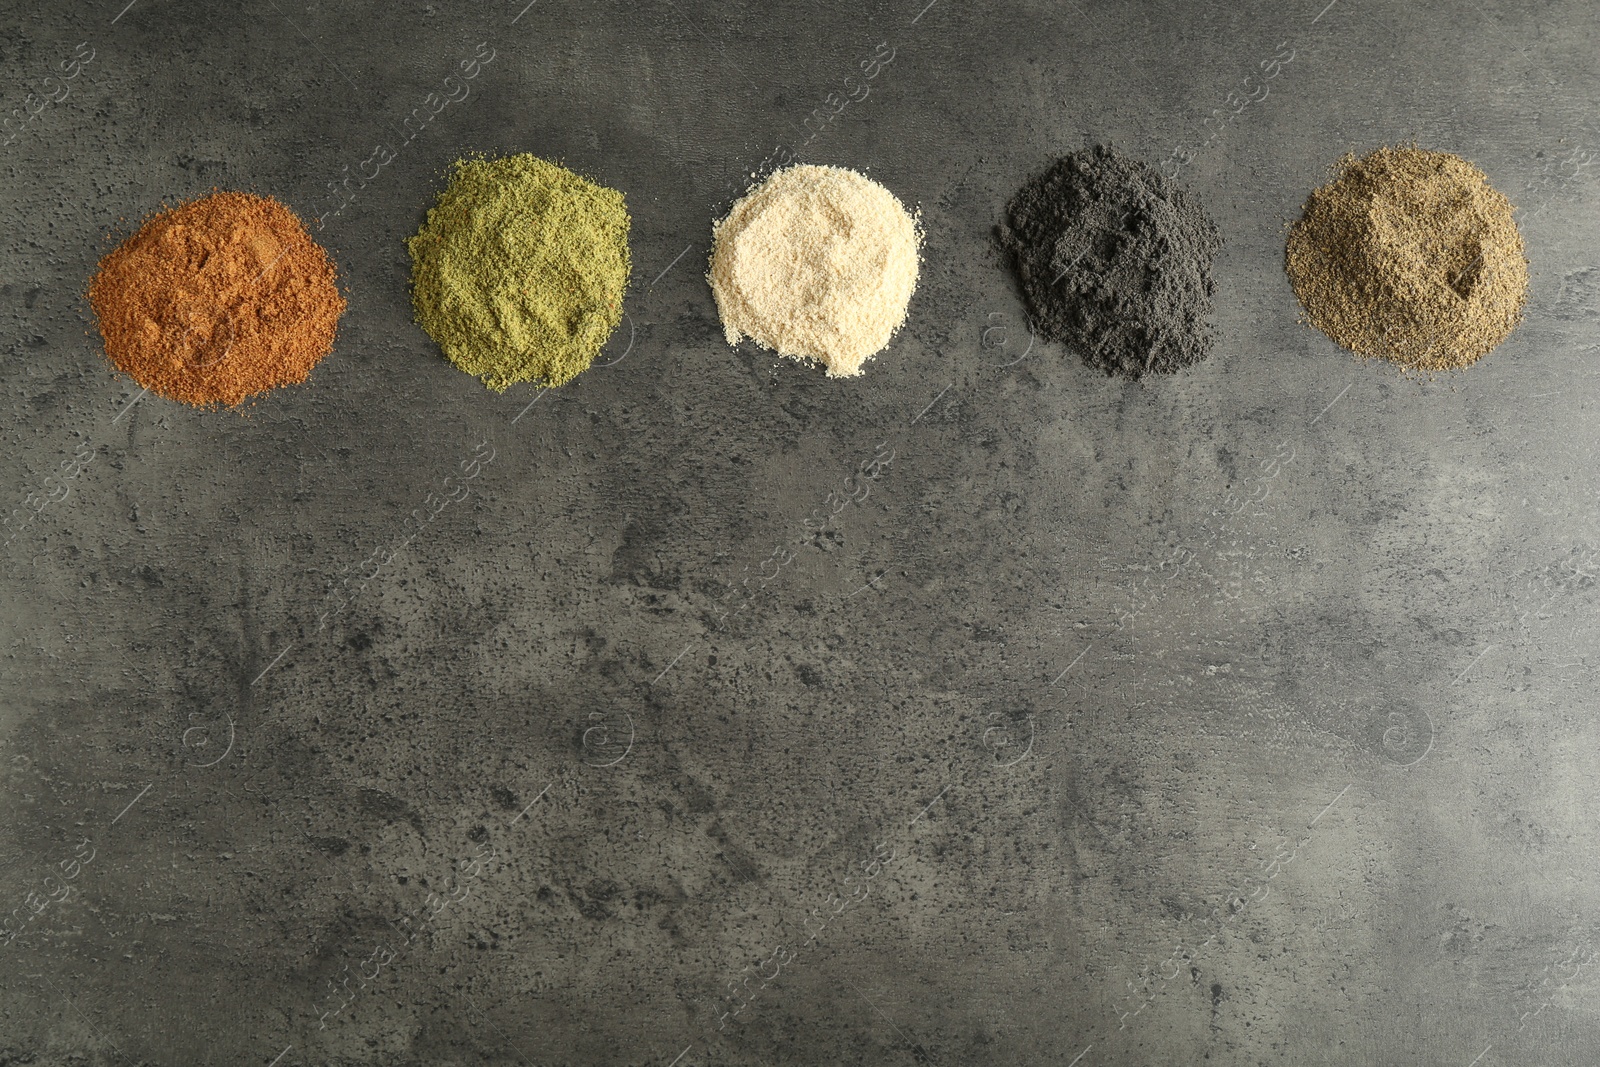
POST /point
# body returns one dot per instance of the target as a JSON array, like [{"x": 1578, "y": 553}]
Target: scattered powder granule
[
  {"x": 816, "y": 263},
  {"x": 1411, "y": 256}
]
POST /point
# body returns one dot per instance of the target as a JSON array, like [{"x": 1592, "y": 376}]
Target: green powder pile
[{"x": 518, "y": 272}]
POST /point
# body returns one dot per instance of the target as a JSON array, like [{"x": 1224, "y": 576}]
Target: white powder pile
[{"x": 816, "y": 263}]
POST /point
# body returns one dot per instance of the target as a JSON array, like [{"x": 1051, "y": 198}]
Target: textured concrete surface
[{"x": 978, "y": 710}]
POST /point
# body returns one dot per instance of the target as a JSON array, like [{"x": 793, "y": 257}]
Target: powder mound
[
  {"x": 217, "y": 300},
  {"x": 816, "y": 263},
  {"x": 1115, "y": 262},
  {"x": 1411, "y": 256},
  {"x": 519, "y": 270}
]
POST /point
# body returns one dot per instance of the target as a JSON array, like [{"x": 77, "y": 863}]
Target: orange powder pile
[{"x": 217, "y": 300}]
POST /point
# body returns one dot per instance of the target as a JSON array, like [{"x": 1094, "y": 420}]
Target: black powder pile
[{"x": 1115, "y": 262}]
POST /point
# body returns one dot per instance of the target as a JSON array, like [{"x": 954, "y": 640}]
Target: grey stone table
[{"x": 977, "y": 710}]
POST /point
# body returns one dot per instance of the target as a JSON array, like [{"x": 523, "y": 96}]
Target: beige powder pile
[
  {"x": 816, "y": 263},
  {"x": 1412, "y": 256}
]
